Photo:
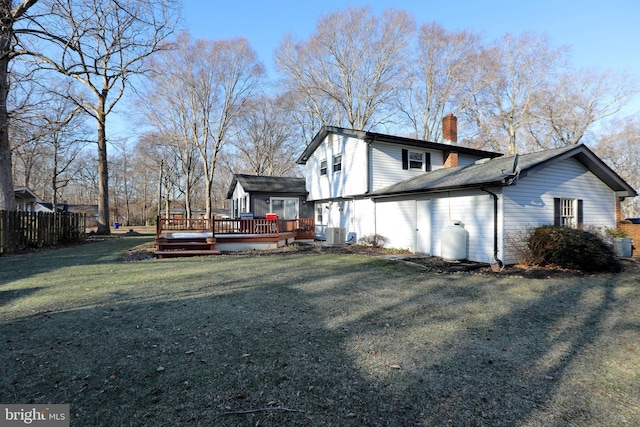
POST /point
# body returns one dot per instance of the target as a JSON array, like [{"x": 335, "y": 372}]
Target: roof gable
[
  {"x": 267, "y": 184},
  {"x": 391, "y": 139}
]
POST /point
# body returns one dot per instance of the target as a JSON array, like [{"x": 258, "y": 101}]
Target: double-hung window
[
  {"x": 319, "y": 216},
  {"x": 567, "y": 212},
  {"x": 416, "y": 160},
  {"x": 337, "y": 163},
  {"x": 323, "y": 167}
]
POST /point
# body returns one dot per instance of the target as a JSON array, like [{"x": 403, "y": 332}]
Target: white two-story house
[{"x": 409, "y": 190}]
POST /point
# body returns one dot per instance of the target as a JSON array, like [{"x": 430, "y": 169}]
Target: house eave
[
  {"x": 476, "y": 186},
  {"x": 593, "y": 163},
  {"x": 384, "y": 138}
]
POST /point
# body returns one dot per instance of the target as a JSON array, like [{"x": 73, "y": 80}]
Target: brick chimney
[
  {"x": 450, "y": 129},
  {"x": 450, "y": 136}
]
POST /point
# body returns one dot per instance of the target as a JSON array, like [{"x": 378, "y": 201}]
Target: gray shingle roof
[
  {"x": 268, "y": 184},
  {"x": 500, "y": 171},
  {"x": 390, "y": 139}
]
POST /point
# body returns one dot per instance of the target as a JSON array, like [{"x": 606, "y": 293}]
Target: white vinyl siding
[
  {"x": 364, "y": 220},
  {"x": 395, "y": 220},
  {"x": 475, "y": 211},
  {"x": 349, "y": 181},
  {"x": 239, "y": 201},
  {"x": 529, "y": 203},
  {"x": 386, "y": 164}
]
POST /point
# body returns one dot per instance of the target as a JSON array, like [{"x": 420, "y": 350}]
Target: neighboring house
[
  {"x": 260, "y": 195},
  {"x": 409, "y": 190},
  {"x": 180, "y": 213},
  {"x": 90, "y": 211},
  {"x": 26, "y": 200}
]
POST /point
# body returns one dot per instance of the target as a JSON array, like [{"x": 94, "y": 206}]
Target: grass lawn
[{"x": 308, "y": 339}]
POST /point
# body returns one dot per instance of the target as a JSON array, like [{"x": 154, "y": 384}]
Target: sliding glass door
[{"x": 285, "y": 208}]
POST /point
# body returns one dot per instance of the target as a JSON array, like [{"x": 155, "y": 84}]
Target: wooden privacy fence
[{"x": 22, "y": 230}]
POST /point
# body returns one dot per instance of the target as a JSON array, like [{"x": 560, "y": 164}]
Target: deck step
[
  {"x": 185, "y": 253},
  {"x": 184, "y": 245}
]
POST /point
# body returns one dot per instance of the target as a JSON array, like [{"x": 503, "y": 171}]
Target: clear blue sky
[{"x": 601, "y": 34}]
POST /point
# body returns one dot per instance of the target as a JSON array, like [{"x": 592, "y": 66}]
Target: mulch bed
[{"x": 431, "y": 264}]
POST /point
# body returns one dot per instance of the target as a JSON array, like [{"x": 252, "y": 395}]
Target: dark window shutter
[
  {"x": 427, "y": 162},
  {"x": 557, "y": 220},
  {"x": 405, "y": 159},
  {"x": 580, "y": 213}
]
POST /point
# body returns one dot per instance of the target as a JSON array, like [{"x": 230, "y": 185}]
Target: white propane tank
[{"x": 454, "y": 241}]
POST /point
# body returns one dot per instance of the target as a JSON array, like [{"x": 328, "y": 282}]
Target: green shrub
[{"x": 571, "y": 248}]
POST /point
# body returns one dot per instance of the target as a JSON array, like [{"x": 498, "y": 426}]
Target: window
[
  {"x": 323, "y": 167},
  {"x": 567, "y": 212},
  {"x": 285, "y": 208},
  {"x": 337, "y": 163},
  {"x": 416, "y": 160},
  {"x": 319, "y": 215}
]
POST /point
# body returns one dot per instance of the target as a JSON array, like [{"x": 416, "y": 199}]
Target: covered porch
[{"x": 204, "y": 236}]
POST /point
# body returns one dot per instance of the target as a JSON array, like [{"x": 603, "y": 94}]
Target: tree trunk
[
  {"x": 103, "y": 171},
  {"x": 7, "y": 196}
]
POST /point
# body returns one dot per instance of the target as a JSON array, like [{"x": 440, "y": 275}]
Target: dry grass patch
[{"x": 313, "y": 339}]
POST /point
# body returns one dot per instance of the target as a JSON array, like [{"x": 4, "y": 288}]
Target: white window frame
[
  {"x": 568, "y": 210},
  {"x": 323, "y": 167},
  {"x": 337, "y": 163},
  {"x": 413, "y": 162},
  {"x": 295, "y": 200}
]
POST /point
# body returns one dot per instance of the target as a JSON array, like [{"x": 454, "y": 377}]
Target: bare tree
[
  {"x": 619, "y": 147},
  {"x": 200, "y": 93},
  {"x": 569, "y": 104},
  {"x": 352, "y": 64},
  {"x": 47, "y": 132},
  {"x": 102, "y": 45},
  {"x": 265, "y": 139},
  {"x": 67, "y": 137},
  {"x": 434, "y": 88},
  {"x": 501, "y": 92},
  {"x": 9, "y": 15}
]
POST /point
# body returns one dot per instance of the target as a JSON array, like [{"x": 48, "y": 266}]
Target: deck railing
[{"x": 243, "y": 226}]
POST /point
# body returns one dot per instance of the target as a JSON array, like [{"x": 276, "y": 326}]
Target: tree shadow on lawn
[
  {"x": 368, "y": 344},
  {"x": 498, "y": 367}
]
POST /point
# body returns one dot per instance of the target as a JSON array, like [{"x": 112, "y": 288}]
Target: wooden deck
[{"x": 200, "y": 236}]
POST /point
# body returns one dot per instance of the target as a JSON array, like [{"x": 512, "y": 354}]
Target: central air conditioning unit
[{"x": 336, "y": 236}]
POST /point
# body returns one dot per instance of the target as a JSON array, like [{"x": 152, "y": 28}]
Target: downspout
[
  {"x": 495, "y": 226},
  {"x": 368, "y": 160},
  {"x": 368, "y": 185}
]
